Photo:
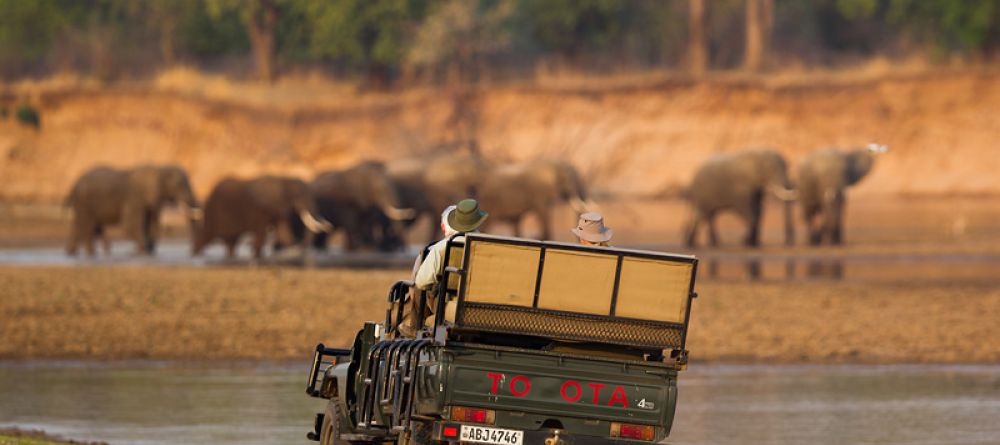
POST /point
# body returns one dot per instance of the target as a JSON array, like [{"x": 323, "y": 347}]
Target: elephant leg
[
  {"x": 152, "y": 231},
  {"x": 318, "y": 241},
  {"x": 835, "y": 220},
  {"x": 691, "y": 230},
  {"x": 100, "y": 232},
  {"x": 134, "y": 223},
  {"x": 546, "y": 220},
  {"x": 258, "y": 240},
  {"x": 815, "y": 229},
  {"x": 829, "y": 215},
  {"x": 231, "y": 247},
  {"x": 89, "y": 232},
  {"x": 752, "y": 216},
  {"x": 75, "y": 233},
  {"x": 713, "y": 234}
]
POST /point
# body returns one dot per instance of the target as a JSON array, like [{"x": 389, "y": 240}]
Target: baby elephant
[
  {"x": 824, "y": 176},
  {"x": 105, "y": 196},
  {"x": 255, "y": 206},
  {"x": 739, "y": 182}
]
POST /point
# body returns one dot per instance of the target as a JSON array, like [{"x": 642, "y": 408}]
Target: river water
[{"x": 171, "y": 403}]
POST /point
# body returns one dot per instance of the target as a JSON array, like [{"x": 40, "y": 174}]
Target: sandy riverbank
[{"x": 275, "y": 314}]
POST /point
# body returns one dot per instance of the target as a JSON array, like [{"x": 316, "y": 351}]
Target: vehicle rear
[{"x": 510, "y": 396}]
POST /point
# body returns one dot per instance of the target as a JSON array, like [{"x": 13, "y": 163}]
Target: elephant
[
  {"x": 739, "y": 182},
  {"x": 823, "y": 178},
  {"x": 513, "y": 191},
  {"x": 238, "y": 206},
  {"x": 429, "y": 185},
  {"x": 105, "y": 196},
  {"x": 364, "y": 201}
]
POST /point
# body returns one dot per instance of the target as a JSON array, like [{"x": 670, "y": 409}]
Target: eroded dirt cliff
[{"x": 642, "y": 139}]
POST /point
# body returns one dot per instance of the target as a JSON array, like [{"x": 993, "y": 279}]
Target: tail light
[
  {"x": 475, "y": 415},
  {"x": 629, "y": 431}
]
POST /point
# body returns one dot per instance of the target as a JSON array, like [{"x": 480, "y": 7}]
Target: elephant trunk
[{"x": 313, "y": 224}]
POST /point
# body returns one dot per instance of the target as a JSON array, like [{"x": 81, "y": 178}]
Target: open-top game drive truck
[{"x": 529, "y": 343}]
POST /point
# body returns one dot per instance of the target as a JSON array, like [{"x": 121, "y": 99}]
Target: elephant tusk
[
  {"x": 785, "y": 194},
  {"x": 878, "y": 148},
  {"x": 314, "y": 225},
  {"x": 398, "y": 214},
  {"x": 578, "y": 205}
]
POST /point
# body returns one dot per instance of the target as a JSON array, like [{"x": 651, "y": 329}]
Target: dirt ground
[
  {"x": 98, "y": 313},
  {"x": 14, "y": 436}
]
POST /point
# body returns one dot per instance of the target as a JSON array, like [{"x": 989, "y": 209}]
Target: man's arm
[{"x": 429, "y": 269}]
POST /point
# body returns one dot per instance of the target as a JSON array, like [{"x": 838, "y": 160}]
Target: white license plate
[{"x": 498, "y": 436}]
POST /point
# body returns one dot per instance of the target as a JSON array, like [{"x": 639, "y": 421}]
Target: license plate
[{"x": 498, "y": 436}]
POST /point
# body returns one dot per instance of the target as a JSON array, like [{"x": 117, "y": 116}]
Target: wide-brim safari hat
[
  {"x": 591, "y": 228},
  {"x": 467, "y": 216}
]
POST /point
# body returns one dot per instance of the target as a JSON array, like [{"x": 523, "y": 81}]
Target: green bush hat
[{"x": 467, "y": 216}]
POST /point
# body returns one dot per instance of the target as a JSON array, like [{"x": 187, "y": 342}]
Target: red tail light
[
  {"x": 475, "y": 415},
  {"x": 450, "y": 431},
  {"x": 629, "y": 431}
]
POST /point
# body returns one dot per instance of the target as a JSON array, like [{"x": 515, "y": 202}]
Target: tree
[
  {"x": 754, "y": 49},
  {"x": 261, "y": 20},
  {"x": 697, "y": 37},
  {"x": 373, "y": 35},
  {"x": 459, "y": 34}
]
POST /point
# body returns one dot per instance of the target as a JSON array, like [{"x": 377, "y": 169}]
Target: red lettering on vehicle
[
  {"x": 565, "y": 396},
  {"x": 527, "y": 386},
  {"x": 618, "y": 397},
  {"x": 597, "y": 391},
  {"x": 496, "y": 381}
]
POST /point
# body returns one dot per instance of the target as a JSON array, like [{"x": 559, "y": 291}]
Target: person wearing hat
[
  {"x": 464, "y": 217},
  {"x": 590, "y": 230}
]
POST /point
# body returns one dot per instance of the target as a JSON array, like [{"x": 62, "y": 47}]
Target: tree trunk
[
  {"x": 167, "y": 28},
  {"x": 753, "y": 54},
  {"x": 697, "y": 38},
  {"x": 262, "y": 19}
]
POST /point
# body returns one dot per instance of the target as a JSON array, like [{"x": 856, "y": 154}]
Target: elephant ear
[
  {"x": 859, "y": 163},
  {"x": 144, "y": 185}
]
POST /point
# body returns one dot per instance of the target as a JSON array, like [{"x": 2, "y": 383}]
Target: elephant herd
[
  {"x": 371, "y": 203},
  {"x": 740, "y": 181}
]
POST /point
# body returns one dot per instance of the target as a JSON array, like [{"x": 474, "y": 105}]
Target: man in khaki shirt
[{"x": 464, "y": 217}]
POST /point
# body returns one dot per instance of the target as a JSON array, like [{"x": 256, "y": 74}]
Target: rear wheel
[{"x": 329, "y": 434}]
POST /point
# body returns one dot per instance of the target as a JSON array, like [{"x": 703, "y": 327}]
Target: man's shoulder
[{"x": 440, "y": 245}]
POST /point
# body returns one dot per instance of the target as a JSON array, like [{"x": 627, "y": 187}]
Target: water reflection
[
  {"x": 142, "y": 403},
  {"x": 752, "y": 267}
]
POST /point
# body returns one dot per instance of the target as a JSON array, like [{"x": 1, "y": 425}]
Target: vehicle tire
[
  {"x": 329, "y": 433},
  {"x": 419, "y": 435}
]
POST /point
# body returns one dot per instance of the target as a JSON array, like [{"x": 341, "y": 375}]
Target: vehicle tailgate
[{"x": 551, "y": 384}]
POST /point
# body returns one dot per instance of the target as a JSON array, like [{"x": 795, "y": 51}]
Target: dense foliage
[{"x": 437, "y": 38}]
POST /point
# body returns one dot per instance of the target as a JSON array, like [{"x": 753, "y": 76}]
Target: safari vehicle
[{"x": 530, "y": 343}]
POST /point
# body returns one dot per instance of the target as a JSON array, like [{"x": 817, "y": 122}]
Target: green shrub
[{"x": 28, "y": 115}]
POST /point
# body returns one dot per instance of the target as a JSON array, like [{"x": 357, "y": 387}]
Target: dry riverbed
[
  {"x": 99, "y": 313},
  {"x": 14, "y": 436}
]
